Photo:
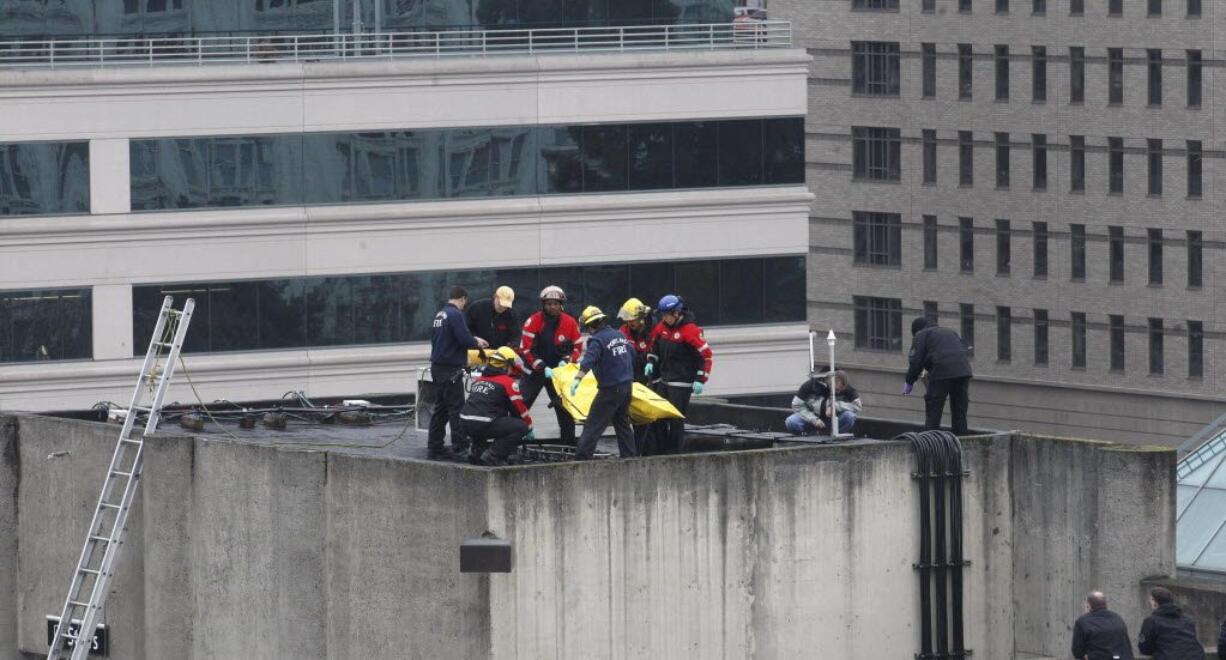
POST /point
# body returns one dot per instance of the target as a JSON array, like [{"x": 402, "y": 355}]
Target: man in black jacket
[
  {"x": 1100, "y": 634},
  {"x": 941, "y": 353},
  {"x": 1167, "y": 634},
  {"x": 493, "y": 320}
]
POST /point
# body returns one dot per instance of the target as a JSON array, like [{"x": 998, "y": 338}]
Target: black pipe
[
  {"x": 939, "y": 556},
  {"x": 955, "y": 505},
  {"x": 925, "y": 561}
]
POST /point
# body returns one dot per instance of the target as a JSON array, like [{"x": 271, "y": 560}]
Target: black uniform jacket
[
  {"x": 1101, "y": 635},
  {"x": 1169, "y": 635},
  {"x": 939, "y": 351}
]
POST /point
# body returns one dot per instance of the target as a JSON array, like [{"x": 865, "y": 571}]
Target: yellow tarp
[
  {"x": 477, "y": 356},
  {"x": 645, "y": 405}
]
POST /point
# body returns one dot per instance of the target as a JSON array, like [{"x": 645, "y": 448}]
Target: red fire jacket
[
  {"x": 568, "y": 340},
  {"x": 493, "y": 395},
  {"x": 681, "y": 353}
]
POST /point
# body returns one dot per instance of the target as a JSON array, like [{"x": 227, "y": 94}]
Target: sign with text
[{"x": 99, "y": 646}]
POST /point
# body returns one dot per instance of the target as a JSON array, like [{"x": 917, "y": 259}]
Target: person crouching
[
  {"x": 811, "y": 408},
  {"x": 495, "y": 411}
]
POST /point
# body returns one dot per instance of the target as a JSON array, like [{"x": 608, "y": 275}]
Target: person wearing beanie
[{"x": 940, "y": 354}]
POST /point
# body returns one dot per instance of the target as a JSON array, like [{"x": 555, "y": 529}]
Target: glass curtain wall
[
  {"x": 41, "y": 178},
  {"x": 46, "y": 325}
]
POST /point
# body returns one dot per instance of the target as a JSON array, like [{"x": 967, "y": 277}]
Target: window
[
  {"x": 930, "y": 242},
  {"x": 1194, "y": 168},
  {"x": 1115, "y": 249},
  {"x": 1003, "y": 247},
  {"x": 1002, "y": 73},
  {"x": 1077, "y": 251},
  {"x": 1077, "y": 163},
  {"x": 930, "y": 155},
  {"x": 1115, "y": 325},
  {"x": 928, "y": 6},
  {"x": 878, "y": 238},
  {"x": 1196, "y": 349},
  {"x": 967, "y": 313},
  {"x": 1039, "y": 7},
  {"x": 1002, "y": 160},
  {"x": 1078, "y": 327},
  {"x": 1040, "y": 337},
  {"x": 966, "y": 158},
  {"x": 44, "y": 178},
  {"x": 1155, "y": 256},
  {"x": 966, "y": 244},
  {"x": 932, "y": 311},
  {"x": 1156, "y": 361},
  {"x": 1077, "y": 75},
  {"x": 1115, "y": 76},
  {"x": 1154, "y": 57},
  {"x": 1038, "y": 74},
  {"x": 1154, "y": 7},
  {"x": 1154, "y": 150},
  {"x": 1038, "y": 168},
  {"x": 1004, "y": 334},
  {"x": 1193, "y": 8},
  {"x": 876, "y": 153},
  {"x": 964, "y": 6},
  {"x": 1076, "y": 7},
  {"x": 874, "y": 4},
  {"x": 1194, "y": 70},
  {"x": 965, "y": 71},
  {"x": 49, "y": 324},
  {"x": 928, "y": 58},
  {"x": 1115, "y": 7},
  {"x": 878, "y": 323},
  {"x": 1002, "y": 6},
  {"x": 1115, "y": 165},
  {"x": 1040, "y": 249},
  {"x": 1194, "y": 259},
  {"x": 874, "y": 68}
]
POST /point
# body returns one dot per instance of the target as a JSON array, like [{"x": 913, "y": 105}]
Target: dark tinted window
[
  {"x": 967, "y": 317},
  {"x": 1115, "y": 7},
  {"x": 929, "y": 73},
  {"x": 877, "y": 238},
  {"x": 1002, "y": 160},
  {"x": 1077, "y": 163},
  {"x": 1076, "y": 7},
  {"x": 1154, "y": 58},
  {"x": 1038, "y": 74},
  {"x": 1115, "y": 75},
  {"x": 1004, "y": 334},
  {"x": 1115, "y": 249},
  {"x": 650, "y": 152},
  {"x": 783, "y": 144},
  {"x": 1196, "y": 349},
  {"x": 1157, "y": 362},
  {"x": 878, "y": 323},
  {"x": 874, "y": 68},
  {"x": 1193, "y": 8},
  {"x": 1194, "y": 78},
  {"x": 1154, "y": 149},
  {"x": 1195, "y": 256},
  {"x": 1155, "y": 256},
  {"x": 1002, "y": 72},
  {"x": 1115, "y": 165},
  {"x": 1040, "y": 249},
  {"x": 695, "y": 154},
  {"x": 930, "y": 155},
  {"x": 605, "y": 159},
  {"x": 1194, "y": 168},
  {"x": 965, "y": 71},
  {"x": 930, "y": 242},
  {"x": 1004, "y": 248},
  {"x": 1154, "y": 7},
  {"x": 876, "y": 153},
  {"x": 44, "y": 178},
  {"x": 1077, "y": 251},
  {"x": 966, "y": 158},
  {"x": 1078, "y": 323},
  {"x": 740, "y": 153},
  {"x": 1040, "y": 337},
  {"x": 398, "y": 307},
  {"x": 43, "y": 325},
  {"x": 966, "y": 244},
  {"x": 1077, "y": 74},
  {"x": 1116, "y": 332},
  {"x": 1038, "y": 166}
]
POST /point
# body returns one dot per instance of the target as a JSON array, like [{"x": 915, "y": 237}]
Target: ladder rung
[
  {"x": 108, "y": 505},
  {"x": 142, "y": 408},
  {"x": 77, "y": 603},
  {"x": 131, "y": 441},
  {"x": 95, "y": 537},
  {"x": 121, "y": 474},
  {"x": 91, "y": 571},
  {"x": 67, "y": 635}
]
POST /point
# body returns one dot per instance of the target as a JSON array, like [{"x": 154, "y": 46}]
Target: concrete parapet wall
[{"x": 248, "y": 551}]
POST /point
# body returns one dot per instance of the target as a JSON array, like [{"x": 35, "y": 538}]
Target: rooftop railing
[{"x": 127, "y": 51}]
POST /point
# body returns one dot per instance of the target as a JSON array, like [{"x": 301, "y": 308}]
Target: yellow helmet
[
  {"x": 633, "y": 309},
  {"x": 590, "y": 315},
  {"x": 501, "y": 358}
]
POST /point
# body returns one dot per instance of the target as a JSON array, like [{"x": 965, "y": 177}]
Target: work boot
[
  {"x": 488, "y": 458},
  {"x": 440, "y": 454},
  {"x": 460, "y": 447}
]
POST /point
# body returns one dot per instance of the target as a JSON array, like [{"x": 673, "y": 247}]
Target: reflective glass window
[
  {"x": 741, "y": 288},
  {"x": 45, "y": 325},
  {"x": 783, "y": 146},
  {"x": 650, "y": 154},
  {"x": 605, "y": 158},
  {"x": 740, "y": 153},
  {"x": 695, "y": 154},
  {"x": 41, "y": 178}
]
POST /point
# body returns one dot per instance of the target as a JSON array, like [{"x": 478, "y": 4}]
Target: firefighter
[
  {"x": 449, "y": 344},
  {"x": 549, "y": 337},
  {"x": 680, "y": 362},
  {"x": 636, "y": 328},
  {"x": 495, "y": 411},
  {"x": 609, "y": 355}
]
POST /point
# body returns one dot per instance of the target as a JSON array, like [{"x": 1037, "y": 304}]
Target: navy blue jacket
[
  {"x": 1169, "y": 635},
  {"x": 1101, "y": 635},
  {"x": 610, "y": 357},
  {"x": 450, "y": 338}
]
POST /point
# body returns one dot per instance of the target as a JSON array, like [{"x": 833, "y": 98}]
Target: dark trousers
[
  {"x": 449, "y": 399},
  {"x": 667, "y": 435},
  {"x": 611, "y": 405},
  {"x": 958, "y": 391},
  {"x": 506, "y": 432},
  {"x": 530, "y": 387}
]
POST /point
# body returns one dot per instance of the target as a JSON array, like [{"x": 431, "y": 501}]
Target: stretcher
[{"x": 645, "y": 405}]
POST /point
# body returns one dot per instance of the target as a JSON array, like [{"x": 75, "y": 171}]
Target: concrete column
[
  {"x": 109, "y": 176},
  {"x": 112, "y": 318}
]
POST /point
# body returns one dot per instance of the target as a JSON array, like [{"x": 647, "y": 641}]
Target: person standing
[
  {"x": 449, "y": 344},
  {"x": 1100, "y": 634},
  {"x": 1167, "y": 634},
  {"x": 610, "y": 357},
  {"x": 550, "y": 337},
  {"x": 493, "y": 319},
  {"x": 941, "y": 353},
  {"x": 495, "y": 411},
  {"x": 681, "y": 357},
  {"x": 811, "y": 405},
  {"x": 636, "y": 328}
]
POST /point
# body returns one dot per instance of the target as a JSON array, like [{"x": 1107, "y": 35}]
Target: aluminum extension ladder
[{"x": 96, "y": 565}]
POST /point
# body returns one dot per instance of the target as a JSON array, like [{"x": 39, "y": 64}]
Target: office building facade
[
  {"x": 1040, "y": 175},
  {"x": 315, "y": 174}
]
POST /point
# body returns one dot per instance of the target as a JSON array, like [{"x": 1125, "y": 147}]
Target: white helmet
[{"x": 552, "y": 292}]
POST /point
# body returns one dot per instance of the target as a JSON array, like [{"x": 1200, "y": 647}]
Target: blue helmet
[{"x": 669, "y": 303}]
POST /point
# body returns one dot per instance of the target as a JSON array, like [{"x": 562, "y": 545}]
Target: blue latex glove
[
  {"x": 562, "y": 363},
  {"x": 548, "y": 372},
  {"x": 906, "y": 388},
  {"x": 530, "y": 436},
  {"x": 697, "y": 386},
  {"x": 574, "y": 386},
  {"x": 649, "y": 369}
]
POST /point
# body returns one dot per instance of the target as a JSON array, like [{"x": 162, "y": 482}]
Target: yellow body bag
[{"x": 645, "y": 405}]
